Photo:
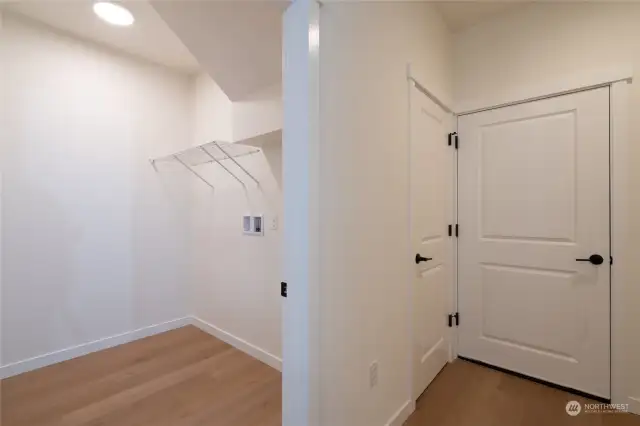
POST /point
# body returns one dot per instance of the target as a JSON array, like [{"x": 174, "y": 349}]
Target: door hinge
[
  {"x": 455, "y": 316},
  {"x": 453, "y": 139},
  {"x": 283, "y": 289},
  {"x": 450, "y": 230}
]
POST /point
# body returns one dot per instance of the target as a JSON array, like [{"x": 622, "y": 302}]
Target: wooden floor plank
[
  {"x": 466, "y": 394},
  {"x": 186, "y": 377},
  {"x": 183, "y": 377}
]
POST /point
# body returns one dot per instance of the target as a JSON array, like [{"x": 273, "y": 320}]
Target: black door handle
[
  {"x": 596, "y": 259},
  {"x": 422, "y": 259}
]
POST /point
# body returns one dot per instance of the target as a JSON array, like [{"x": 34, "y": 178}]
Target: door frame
[{"x": 618, "y": 81}]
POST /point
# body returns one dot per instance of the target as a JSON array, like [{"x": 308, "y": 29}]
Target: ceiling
[
  {"x": 239, "y": 43},
  {"x": 460, "y": 15},
  {"x": 149, "y": 37}
]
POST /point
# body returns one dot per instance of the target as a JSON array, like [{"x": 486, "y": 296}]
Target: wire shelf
[{"x": 221, "y": 153}]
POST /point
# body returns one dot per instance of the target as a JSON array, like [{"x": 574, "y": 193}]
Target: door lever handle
[
  {"x": 595, "y": 259},
  {"x": 422, "y": 259}
]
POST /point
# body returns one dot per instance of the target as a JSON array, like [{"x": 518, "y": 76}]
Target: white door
[
  {"x": 533, "y": 198},
  {"x": 431, "y": 212}
]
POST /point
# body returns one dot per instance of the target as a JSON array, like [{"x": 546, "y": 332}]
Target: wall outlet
[
  {"x": 273, "y": 223},
  {"x": 373, "y": 374},
  {"x": 253, "y": 225}
]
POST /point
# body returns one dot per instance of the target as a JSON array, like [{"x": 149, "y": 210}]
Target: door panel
[
  {"x": 533, "y": 197},
  {"x": 542, "y": 161},
  {"x": 431, "y": 210}
]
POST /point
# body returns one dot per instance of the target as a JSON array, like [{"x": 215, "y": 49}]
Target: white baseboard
[
  {"x": 402, "y": 414},
  {"x": 246, "y": 347},
  {"x": 634, "y": 405},
  {"x": 30, "y": 364}
]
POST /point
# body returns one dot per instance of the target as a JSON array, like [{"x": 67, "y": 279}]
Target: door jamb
[{"x": 619, "y": 91}]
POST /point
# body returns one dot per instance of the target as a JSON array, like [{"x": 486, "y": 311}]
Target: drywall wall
[
  {"x": 513, "y": 51},
  {"x": 364, "y": 204},
  {"x": 215, "y": 117},
  {"x": 301, "y": 375},
  {"x": 238, "y": 43},
  {"x": 259, "y": 113},
  {"x": 212, "y": 112},
  {"x": 235, "y": 278},
  {"x": 93, "y": 238}
]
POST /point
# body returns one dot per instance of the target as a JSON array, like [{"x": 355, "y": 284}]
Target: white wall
[
  {"x": 98, "y": 242},
  {"x": 545, "y": 42},
  {"x": 215, "y": 117},
  {"x": 301, "y": 374},
  {"x": 212, "y": 113},
  {"x": 235, "y": 279},
  {"x": 93, "y": 238},
  {"x": 364, "y": 187},
  {"x": 259, "y": 113}
]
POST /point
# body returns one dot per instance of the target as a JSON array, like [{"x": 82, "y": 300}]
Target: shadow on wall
[{"x": 273, "y": 155}]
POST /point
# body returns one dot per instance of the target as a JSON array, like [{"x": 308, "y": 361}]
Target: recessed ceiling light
[{"x": 113, "y": 13}]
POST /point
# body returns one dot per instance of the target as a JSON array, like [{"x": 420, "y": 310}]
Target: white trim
[
  {"x": 439, "y": 100},
  {"x": 634, "y": 405},
  {"x": 410, "y": 267},
  {"x": 51, "y": 358},
  {"x": 620, "y": 277},
  {"x": 402, "y": 414},
  {"x": 301, "y": 375},
  {"x": 238, "y": 343},
  {"x": 2, "y": 113},
  {"x": 568, "y": 84}
]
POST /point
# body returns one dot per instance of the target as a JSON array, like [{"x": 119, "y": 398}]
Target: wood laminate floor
[
  {"x": 466, "y": 394},
  {"x": 186, "y": 377},
  {"x": 183, "y": 377}
]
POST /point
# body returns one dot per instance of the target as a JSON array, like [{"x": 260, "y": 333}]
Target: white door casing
[
  {"x": 431, "y": 210},
  {"x": 533, "y": 196}
]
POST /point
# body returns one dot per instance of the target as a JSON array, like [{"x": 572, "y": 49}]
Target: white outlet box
[
  {"x": 273, "y": 224},
  {"x": 253, "y": 225},
  {"x": 373, "y": 374}
]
